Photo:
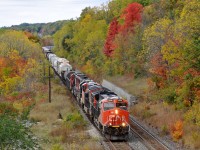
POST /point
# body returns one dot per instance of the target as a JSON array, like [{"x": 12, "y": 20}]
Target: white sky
[{"x": 14, "y": 12}]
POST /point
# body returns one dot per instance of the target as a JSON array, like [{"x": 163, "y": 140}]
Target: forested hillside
[
  {"x": 159, "y": 40},
  {"x": 20, "y": 71},
  {"x": 152, "y": 39},
  {"x": 41, "y": 29}
]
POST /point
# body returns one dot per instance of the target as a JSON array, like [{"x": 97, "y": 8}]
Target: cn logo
[{"x": 115, "y": 118}]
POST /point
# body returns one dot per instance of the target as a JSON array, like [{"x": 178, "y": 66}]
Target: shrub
[
  {"x": 193, "y": 115},
  {"x": 7, "y": 108},
  {"x": 75, "y": 120},
  {"x": 167, "y": 94},
  {"x": 164, "y": 130},
  {"x": 57, "y": 147},
  {"x": 146, "y": 113},
  {"x": 177, "y": 130}
]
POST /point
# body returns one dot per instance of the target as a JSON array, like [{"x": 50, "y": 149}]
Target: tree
[
  {"x": 131, "y": 17},
  {"x": 112, "y": 32},
  {"x": 14, "y": 135}
]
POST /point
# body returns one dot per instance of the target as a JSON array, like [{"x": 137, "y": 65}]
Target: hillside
[{"x": 42, "y": 29}]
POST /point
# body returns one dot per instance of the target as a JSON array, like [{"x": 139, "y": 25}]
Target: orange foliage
[
  {"x": 27, "y": 103},
  {"x": 159, "y": 69},
  {"x": 42, "y": 100},
  {"x": 22, "y": 95},
  {"x": 192, "y": 72},
  {"x": 177, "y": 130},
  {"x": 31, "y": 37},
  {"x": 150, "y": 83},
  {"x": 3, "y": 64},
  {"x": 158, "y": 66}
]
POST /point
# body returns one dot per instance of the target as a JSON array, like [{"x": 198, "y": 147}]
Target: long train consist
[{"x": 106, "y": 109}]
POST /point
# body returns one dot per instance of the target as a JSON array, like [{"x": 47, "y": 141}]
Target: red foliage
[
  {"x": 28, "y": 34},
  {"x": 20, "y": 96},
  {"x": 192, "y": 72},
  {"x": 159, "y": 69},
  {"x": 158, "y": 66},
  {"x": 112, "y": 32},
  {"x": 132, "y": 16}
]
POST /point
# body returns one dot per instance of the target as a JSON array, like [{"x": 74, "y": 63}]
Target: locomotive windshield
[
  {"x": 109, "y": 105},
  {"x": 122, "y": 106}
]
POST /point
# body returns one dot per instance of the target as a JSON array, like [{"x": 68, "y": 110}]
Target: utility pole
[
  {"x": 49, "y": 84},
  {"x": 44, "y": 71}
]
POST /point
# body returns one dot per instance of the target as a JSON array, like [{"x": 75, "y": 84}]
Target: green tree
[{"x": 14, "y": 135}]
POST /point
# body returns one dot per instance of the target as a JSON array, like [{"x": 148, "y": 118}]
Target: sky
[{"x": 14, "y": 12}]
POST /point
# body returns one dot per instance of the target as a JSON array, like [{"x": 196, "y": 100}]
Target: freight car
[{"x": 107, "y": 110}]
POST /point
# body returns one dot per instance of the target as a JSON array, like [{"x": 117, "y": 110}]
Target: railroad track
[
  {"x": 150, "y": 141},
  {"x": 118, "y": 145}
]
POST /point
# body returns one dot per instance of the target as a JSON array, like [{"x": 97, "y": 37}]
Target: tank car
[
  {"x": 64, "y": 67},
  {"x": 45, "y": 49},
  {"x": 50, "y": 56}
]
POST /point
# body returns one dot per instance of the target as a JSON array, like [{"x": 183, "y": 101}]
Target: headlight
[
  {"x": 110, "y": 124},
  {"x": 116, "y": 111},
  {"x": 123, "y": 124}
]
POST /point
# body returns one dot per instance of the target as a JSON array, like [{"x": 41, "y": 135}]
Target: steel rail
[{"x": 149, "y": 133}]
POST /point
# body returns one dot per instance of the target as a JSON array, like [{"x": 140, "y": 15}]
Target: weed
[
  {"x": 57, "y": 147},
  {"x": 164, "y": 130},
  {"x": 147, "y": 114},
  {"x": 75, "y": 120}
]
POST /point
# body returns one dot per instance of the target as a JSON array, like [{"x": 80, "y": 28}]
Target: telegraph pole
[
  {"x": 49, "y": 84},
  {"x": 44, "y": 68}
]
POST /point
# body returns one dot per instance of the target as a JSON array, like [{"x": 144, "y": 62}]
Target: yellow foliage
[
  {"x": 18, "y": 105},
  {"x": 193, "y": 115},
  {"x": 10, "y": 84},
  {"x": 86, "y": 19}
]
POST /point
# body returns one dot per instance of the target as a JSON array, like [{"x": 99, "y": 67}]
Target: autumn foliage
[
  {"x": 112, "y": 32},
  {"x": 177, "y": 130},
  {"x": 131, "y": 17}
]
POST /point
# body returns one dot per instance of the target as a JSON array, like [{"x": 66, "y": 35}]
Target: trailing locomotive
[{"x": 106, "y": 109}]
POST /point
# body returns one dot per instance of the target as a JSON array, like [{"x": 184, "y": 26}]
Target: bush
[
  {"x": 7, "y": 108},
  {"x": 177, "y": 130},
  {"x": 57, "y": 147},
  {"x": 167, "y": 94},
  {"x": 164, "y": 130},
  {"x": 75, "y": 120},
  {"x": 193, "y": 115},
  {"x": 14, "y": 135}
]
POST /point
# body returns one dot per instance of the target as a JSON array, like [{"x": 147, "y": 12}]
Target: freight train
[{"x": 107, "y": 110}]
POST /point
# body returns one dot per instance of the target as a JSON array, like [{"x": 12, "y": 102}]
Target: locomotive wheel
[{"x": 92, "y": 118}]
